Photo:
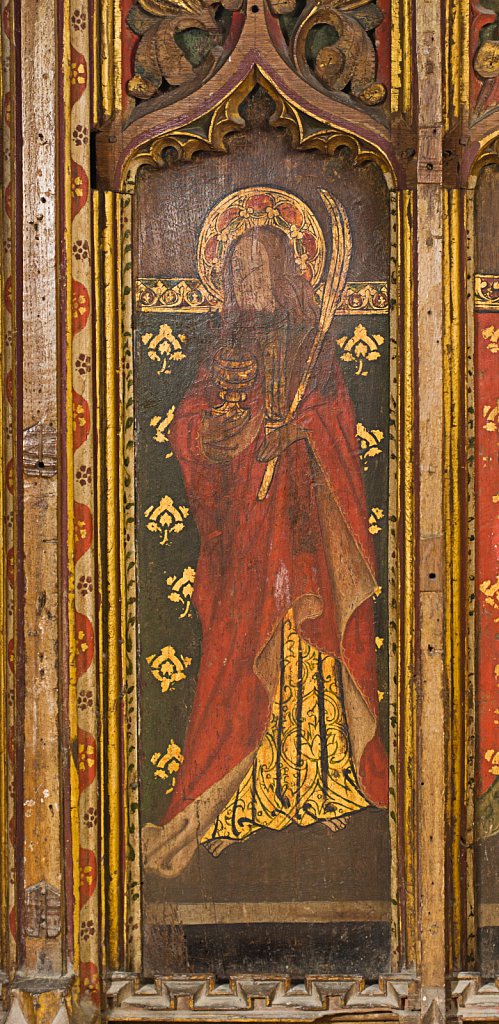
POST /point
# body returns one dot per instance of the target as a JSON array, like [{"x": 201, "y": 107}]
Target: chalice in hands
[{"x": 235, "y": 372}]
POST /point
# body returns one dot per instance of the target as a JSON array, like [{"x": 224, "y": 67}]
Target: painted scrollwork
[
  {"x": 330, "y": 43},
  {"x": 180, "y": 42}
]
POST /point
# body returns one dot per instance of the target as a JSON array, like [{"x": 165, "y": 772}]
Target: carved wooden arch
[
  {"x": 208, "y": 131},
  {"x": 255, "y": 51}
]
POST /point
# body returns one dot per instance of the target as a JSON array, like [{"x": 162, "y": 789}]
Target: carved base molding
[
  {"x": 247, "y": 998},
  {"x": 475, "y": 999},
  {"x": 31, "y": 1005}
]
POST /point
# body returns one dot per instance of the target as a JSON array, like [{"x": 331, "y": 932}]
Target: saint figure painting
[{"x": 284, "y": 727}]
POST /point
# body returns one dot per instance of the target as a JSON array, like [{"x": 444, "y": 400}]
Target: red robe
[{"x": 257, "y": 558}]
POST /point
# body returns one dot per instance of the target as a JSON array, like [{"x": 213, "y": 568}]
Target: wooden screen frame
[
  {"x": 95, "y": 953},
  {"x": 113, "y": 225}
]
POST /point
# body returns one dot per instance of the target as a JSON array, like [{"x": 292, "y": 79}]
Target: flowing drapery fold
[{"x": 307, "y": 550}]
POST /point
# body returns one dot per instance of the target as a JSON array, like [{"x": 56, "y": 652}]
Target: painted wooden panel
[
  {"x": 263, "y": 621},
  {"x": 487, "y": 566}
]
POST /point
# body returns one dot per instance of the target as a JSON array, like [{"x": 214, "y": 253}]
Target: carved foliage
[
  {"x": 486, "y": 59},
  {"x": 180, "y": 42},
  {"x": 484, "y": 45},
  {"x": 330, "y": 42}
]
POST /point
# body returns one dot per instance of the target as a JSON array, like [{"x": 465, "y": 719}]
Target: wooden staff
[{"x": 341, "y": 248}]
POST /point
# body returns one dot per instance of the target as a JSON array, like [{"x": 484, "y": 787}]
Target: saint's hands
[
  {"x": 279, "y": 439},
  {"x": 225, "y": 436}
]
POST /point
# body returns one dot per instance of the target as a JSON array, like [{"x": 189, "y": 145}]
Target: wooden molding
[{"x": 265, "y": 999}]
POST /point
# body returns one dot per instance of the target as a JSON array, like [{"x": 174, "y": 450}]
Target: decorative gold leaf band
[
  {"x": 487, "y": 291},
  {"x": 188, "y": 295}
]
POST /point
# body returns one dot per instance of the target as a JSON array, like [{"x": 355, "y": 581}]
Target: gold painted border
[
  {"x": 401, "y": 58},
  {"x": 469, "y": 795},
  {"x": 106, "y": 99},
  {"x": 394, "y": 580},
  {"x": 456, "y": 638},
  {"x": 99, "y": 539},
  {"x": 209, "y": 304},
  {"x": 486, "y": 292},
  {"x": 4, "y": 547},
  {"x": 111, "y": 255},
  {"x": 67, "y": 370},
  {"x": 467, "y": 282},
  {"x": 107, "y": 567},
  {"x": 405, "y": 612},
  {"x": 120, "y": 869},
  {"x": 465, "y": 293},
  {"x": 129, "y": 610},
  {"x": 457, "y": 76},
  {"x": 9, "y": 533}
]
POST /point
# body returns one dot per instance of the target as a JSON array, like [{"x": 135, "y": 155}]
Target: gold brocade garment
[{"x": 303, "y": 770}]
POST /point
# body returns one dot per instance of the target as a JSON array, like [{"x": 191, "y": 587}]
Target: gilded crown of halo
[{"x": 259, "y": 207}]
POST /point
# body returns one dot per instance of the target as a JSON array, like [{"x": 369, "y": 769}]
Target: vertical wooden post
[
  {"x": 43, "y": 933},
  {"x": 430, "y": 569}
]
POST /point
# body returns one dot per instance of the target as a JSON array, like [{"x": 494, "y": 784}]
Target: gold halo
[{"x": 259, "y": 207}]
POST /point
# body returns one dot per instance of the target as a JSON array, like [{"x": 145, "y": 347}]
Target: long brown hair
[
  {"x": 296, "y": 309},
  {"x": 293, "y": 294}
]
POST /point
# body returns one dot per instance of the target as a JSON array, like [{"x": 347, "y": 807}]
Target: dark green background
[{"x": 297, "y": 864}]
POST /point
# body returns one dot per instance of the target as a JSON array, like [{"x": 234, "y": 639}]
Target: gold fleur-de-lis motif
[
  {"x": 168, "y": 667},
  {"x": 492, "y": 336},
  {"x": 491, "y": 416},
  {"x": 360, "y": 348},
  {"x": 492, "y": 758},
  {"x": 165, "y": 347},
  {"x": 161, "y": 428},
  {"x": 490, "y": 592},
  {"x": 79, "y": 417},
  {"x": 374, "y": 518},
  {"x": 166, "y": 519},
  {"x": 168, "y": 764},
  {"x": 181, "y": 589},
  {"x": 369, "y": 443}
]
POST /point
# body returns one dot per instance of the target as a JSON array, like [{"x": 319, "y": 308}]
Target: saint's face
[{"x": 251, "y": 275}]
